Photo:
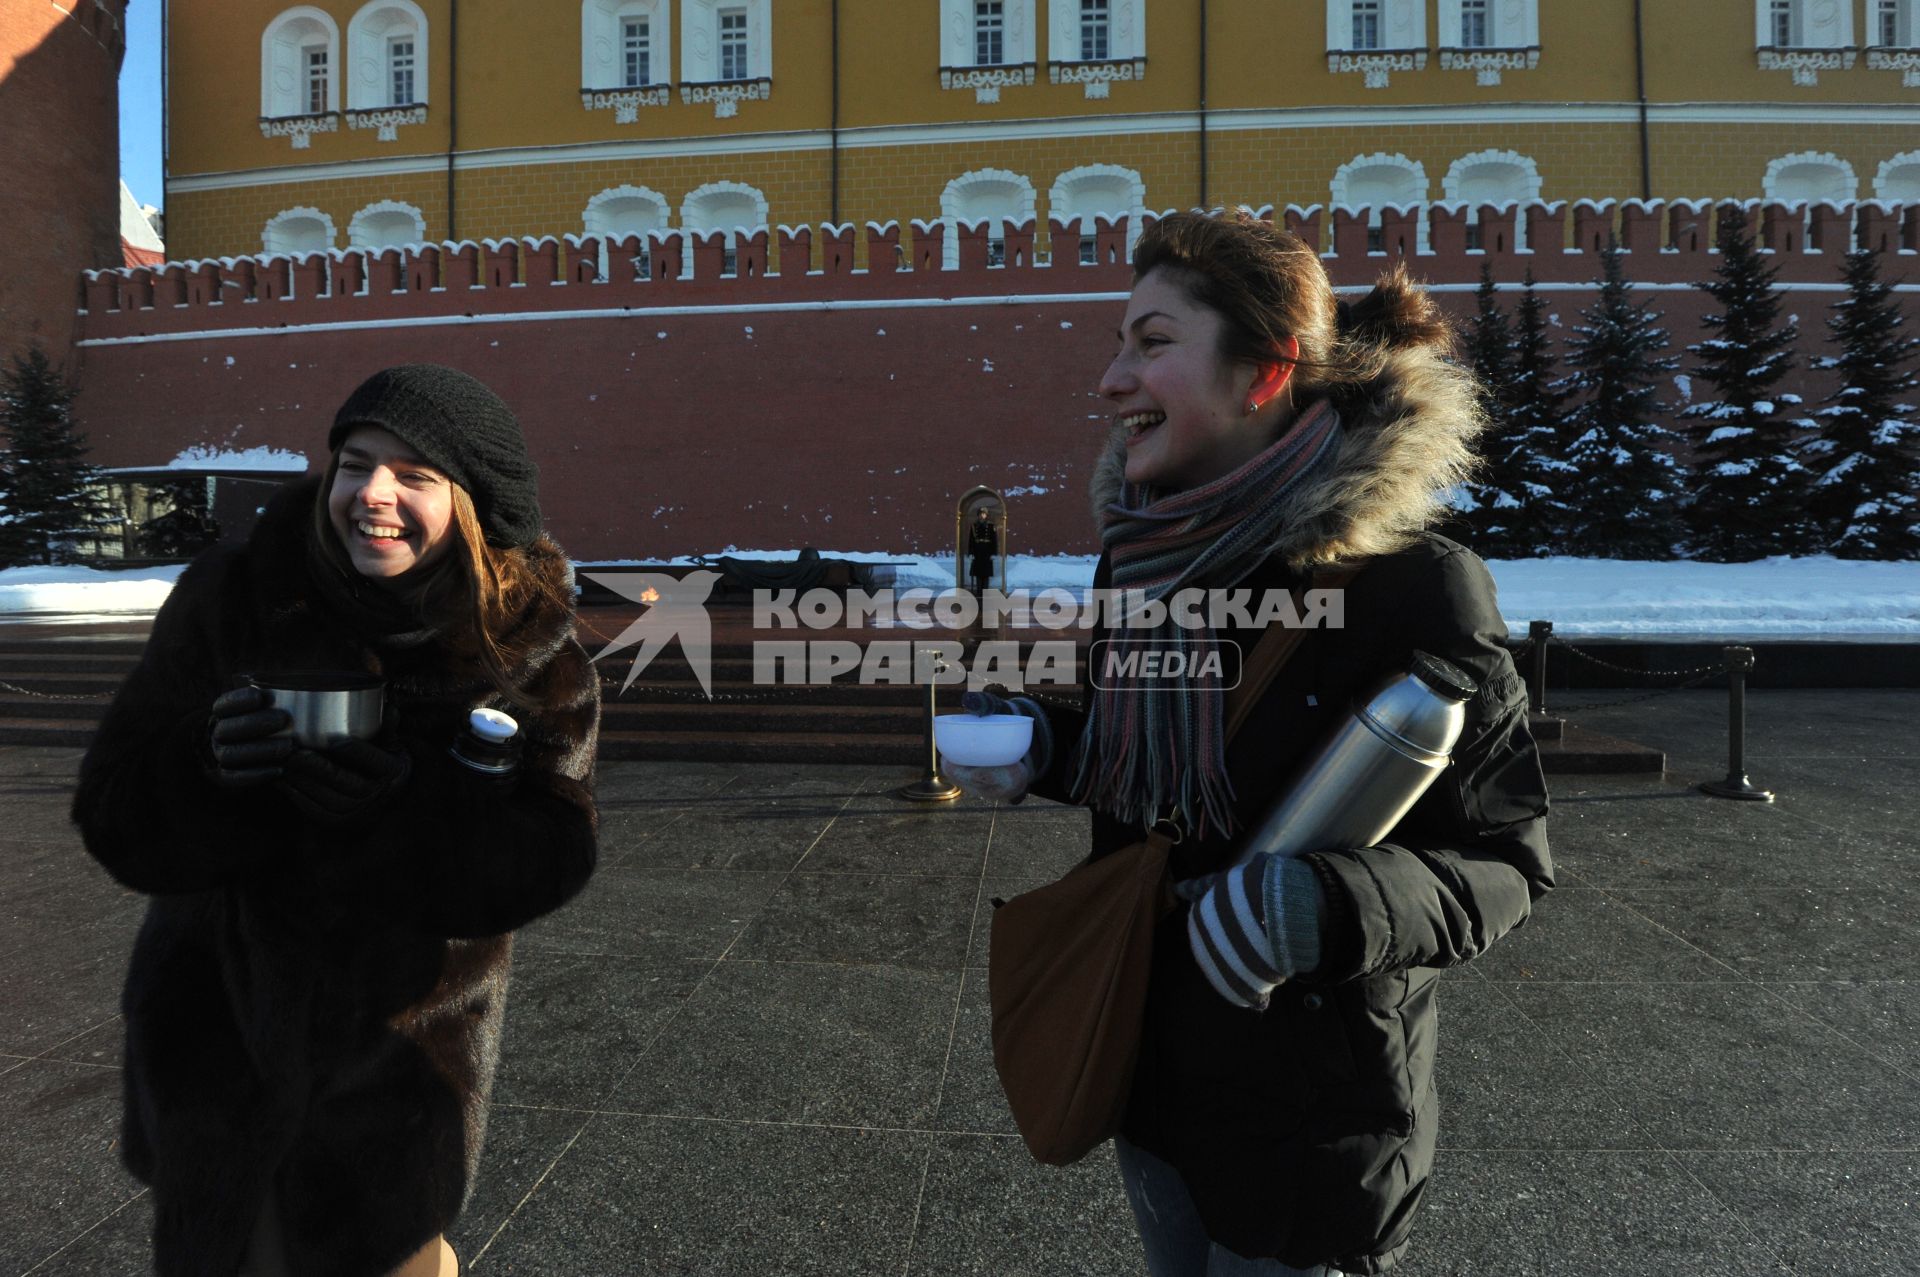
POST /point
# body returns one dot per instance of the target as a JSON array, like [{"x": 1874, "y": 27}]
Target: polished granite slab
[{"x": 757, "y": 1043}]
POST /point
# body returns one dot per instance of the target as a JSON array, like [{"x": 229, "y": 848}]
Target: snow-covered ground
[
  {"x": 84, "y": 591},
  {"x": 1811, "y": 598}
]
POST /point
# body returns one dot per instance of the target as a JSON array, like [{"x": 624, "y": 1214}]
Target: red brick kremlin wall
[
  {"x": 60, "y": 152},
  {"x": 687, "y": 413}
]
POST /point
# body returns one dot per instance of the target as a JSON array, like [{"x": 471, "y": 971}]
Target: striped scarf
[{"x": 1150, "y": 748}]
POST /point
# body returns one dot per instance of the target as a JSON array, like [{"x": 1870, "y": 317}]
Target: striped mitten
[{"x": 1256, "y": 927}]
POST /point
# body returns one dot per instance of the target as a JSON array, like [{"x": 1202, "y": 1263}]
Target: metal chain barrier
[
  {"x": 1625, "y": 669},
  {"x": 55, "y": 696},
  {"x": 1654, "y": 695}
]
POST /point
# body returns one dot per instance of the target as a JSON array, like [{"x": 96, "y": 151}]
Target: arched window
[
  {"x": 1376, "y": 181},
  {"x": 625, "y": 44},
  {"x": 299, "y": 64},
  {"x": 1491, "y": 177},
  {"x": 1898, "y": 180},
  {"x": 387, "y": 224},
  {"x": 387, "y": 52},
  {"x": 723, "y": 206},
  {"x": 1098, "y": 190},
  {"x": 297, "y": 230},
  {"x": 992, "y": 195},
  {"x": 1810, "y": 177},
  {"x": 620, "y": 211}
]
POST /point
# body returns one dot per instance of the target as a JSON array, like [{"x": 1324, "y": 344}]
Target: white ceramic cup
[{"x": 983, "y": 740}]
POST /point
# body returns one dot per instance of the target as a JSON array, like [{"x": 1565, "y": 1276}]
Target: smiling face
[
  {"x": 391, "y": 510},
  {"x": 1183, "y": 405}
]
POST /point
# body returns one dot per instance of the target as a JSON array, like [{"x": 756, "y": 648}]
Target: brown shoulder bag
[{"x": 1067, "y": 972}]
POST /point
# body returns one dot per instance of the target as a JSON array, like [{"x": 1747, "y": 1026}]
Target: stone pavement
[{"x": 757, "y": 1043}]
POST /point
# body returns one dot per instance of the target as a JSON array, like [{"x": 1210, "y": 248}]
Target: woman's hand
[
  {"x": 1004, "y": 784},
  {"x": 346, "y": 783},
  {"x": 1007, "y": 783},
  {"x": 243, "y": 744}
]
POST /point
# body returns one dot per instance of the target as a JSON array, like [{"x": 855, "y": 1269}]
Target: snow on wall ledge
[{"x": 676, "y": 413}]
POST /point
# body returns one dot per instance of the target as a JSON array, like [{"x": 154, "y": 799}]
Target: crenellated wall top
[{"x": 1445, "y": 242}]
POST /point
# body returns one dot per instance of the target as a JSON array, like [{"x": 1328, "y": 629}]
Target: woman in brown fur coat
[{"x": 314, "y": 1003}]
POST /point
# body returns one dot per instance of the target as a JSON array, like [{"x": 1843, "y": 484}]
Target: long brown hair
[
  {"x": 476, "y": 593},
  {"x": 1268, "y": 284}
]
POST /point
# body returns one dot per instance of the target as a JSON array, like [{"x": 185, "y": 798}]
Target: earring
[{"x": 1253, "y": 406}]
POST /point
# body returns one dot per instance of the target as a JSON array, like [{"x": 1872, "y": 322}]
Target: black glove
[
  {"x": 346, "y": 783},
  {"x": 242, "y": 748}
]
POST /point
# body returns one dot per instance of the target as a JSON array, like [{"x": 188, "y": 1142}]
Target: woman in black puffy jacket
[{"x": 1262, "y": 433}]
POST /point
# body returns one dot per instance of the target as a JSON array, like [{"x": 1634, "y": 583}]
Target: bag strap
[{"x": 1275, "y": 646}]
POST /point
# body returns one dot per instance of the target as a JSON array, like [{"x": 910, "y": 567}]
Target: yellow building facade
[{"x": 345, "y": 123}]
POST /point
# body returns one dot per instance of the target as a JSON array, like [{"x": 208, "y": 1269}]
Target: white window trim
[
  {"x": 647, "y": 238},
  {"x": 1403, "y": 34},
  {"x": 1381, "y": 159},
  {"x": 1513, "y": 33},
  {"x": 1815, "y": 51},
  {"x": 1838, "y": 36},
  {"x": 700, "y": 39},
  {"x": 1769, "y": 185},
  {"x": 356, "y": 232},
  {"x": 1906, "y": 159},
  {"x": 1457, "y": 172},
  {"x": 612, "y": 193},
  {"x": 1134, "y": 212},
  {"x": 1403, "y": 27},
  {"x": 693, "y": 224},
  {"x": 1451, "y": 184},
  {"x": 1904, "y": 57},
  {"x": 367, "y": 50},
  {"x": 286, "y": 18},
  {"x": 1511, "y": 24},
  {"x": 303, "y": 213},
  {"x": 700, "y": 55},
  {"x": 1126, "y": 58},
  {"x": 602, "y": 64},
  {"x": 958, "y": 70},
  {"x": 950, "y": 201}
]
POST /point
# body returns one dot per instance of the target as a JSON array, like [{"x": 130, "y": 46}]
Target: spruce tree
[
  {"x": 48, "y": 492},
  {"x": 1623, "y": 494},
  {"x": 1492, "y": 498},
  {"x": 1747, "y": 486},
  {"x": 1863, "y": 496},
  {"x": 1537, "y": 414}
]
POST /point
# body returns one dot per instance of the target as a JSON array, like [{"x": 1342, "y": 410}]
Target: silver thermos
[
  {"x": 1357, "y": 786},
  {"x": 1348, "y": 794}
]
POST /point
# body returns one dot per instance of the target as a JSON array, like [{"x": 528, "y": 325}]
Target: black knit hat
[{"x": 463, "y": 430}]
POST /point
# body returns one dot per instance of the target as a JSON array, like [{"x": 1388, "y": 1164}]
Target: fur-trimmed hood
[{"x": 1405, "y": 441}]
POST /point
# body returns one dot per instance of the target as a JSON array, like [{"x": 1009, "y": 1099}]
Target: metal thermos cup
[
  {"x": 1355, "y": 789},
  {"x": 328, "y": 709}
]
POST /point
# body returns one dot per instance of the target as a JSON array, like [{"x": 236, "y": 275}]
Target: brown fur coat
[{"x": 316, "y": 1012}]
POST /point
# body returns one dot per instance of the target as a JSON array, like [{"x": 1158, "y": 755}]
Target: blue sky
[{"x": 140, "y": 141}]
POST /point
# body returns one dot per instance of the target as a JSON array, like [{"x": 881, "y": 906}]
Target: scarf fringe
[{"x": 1149, "y": 750}]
